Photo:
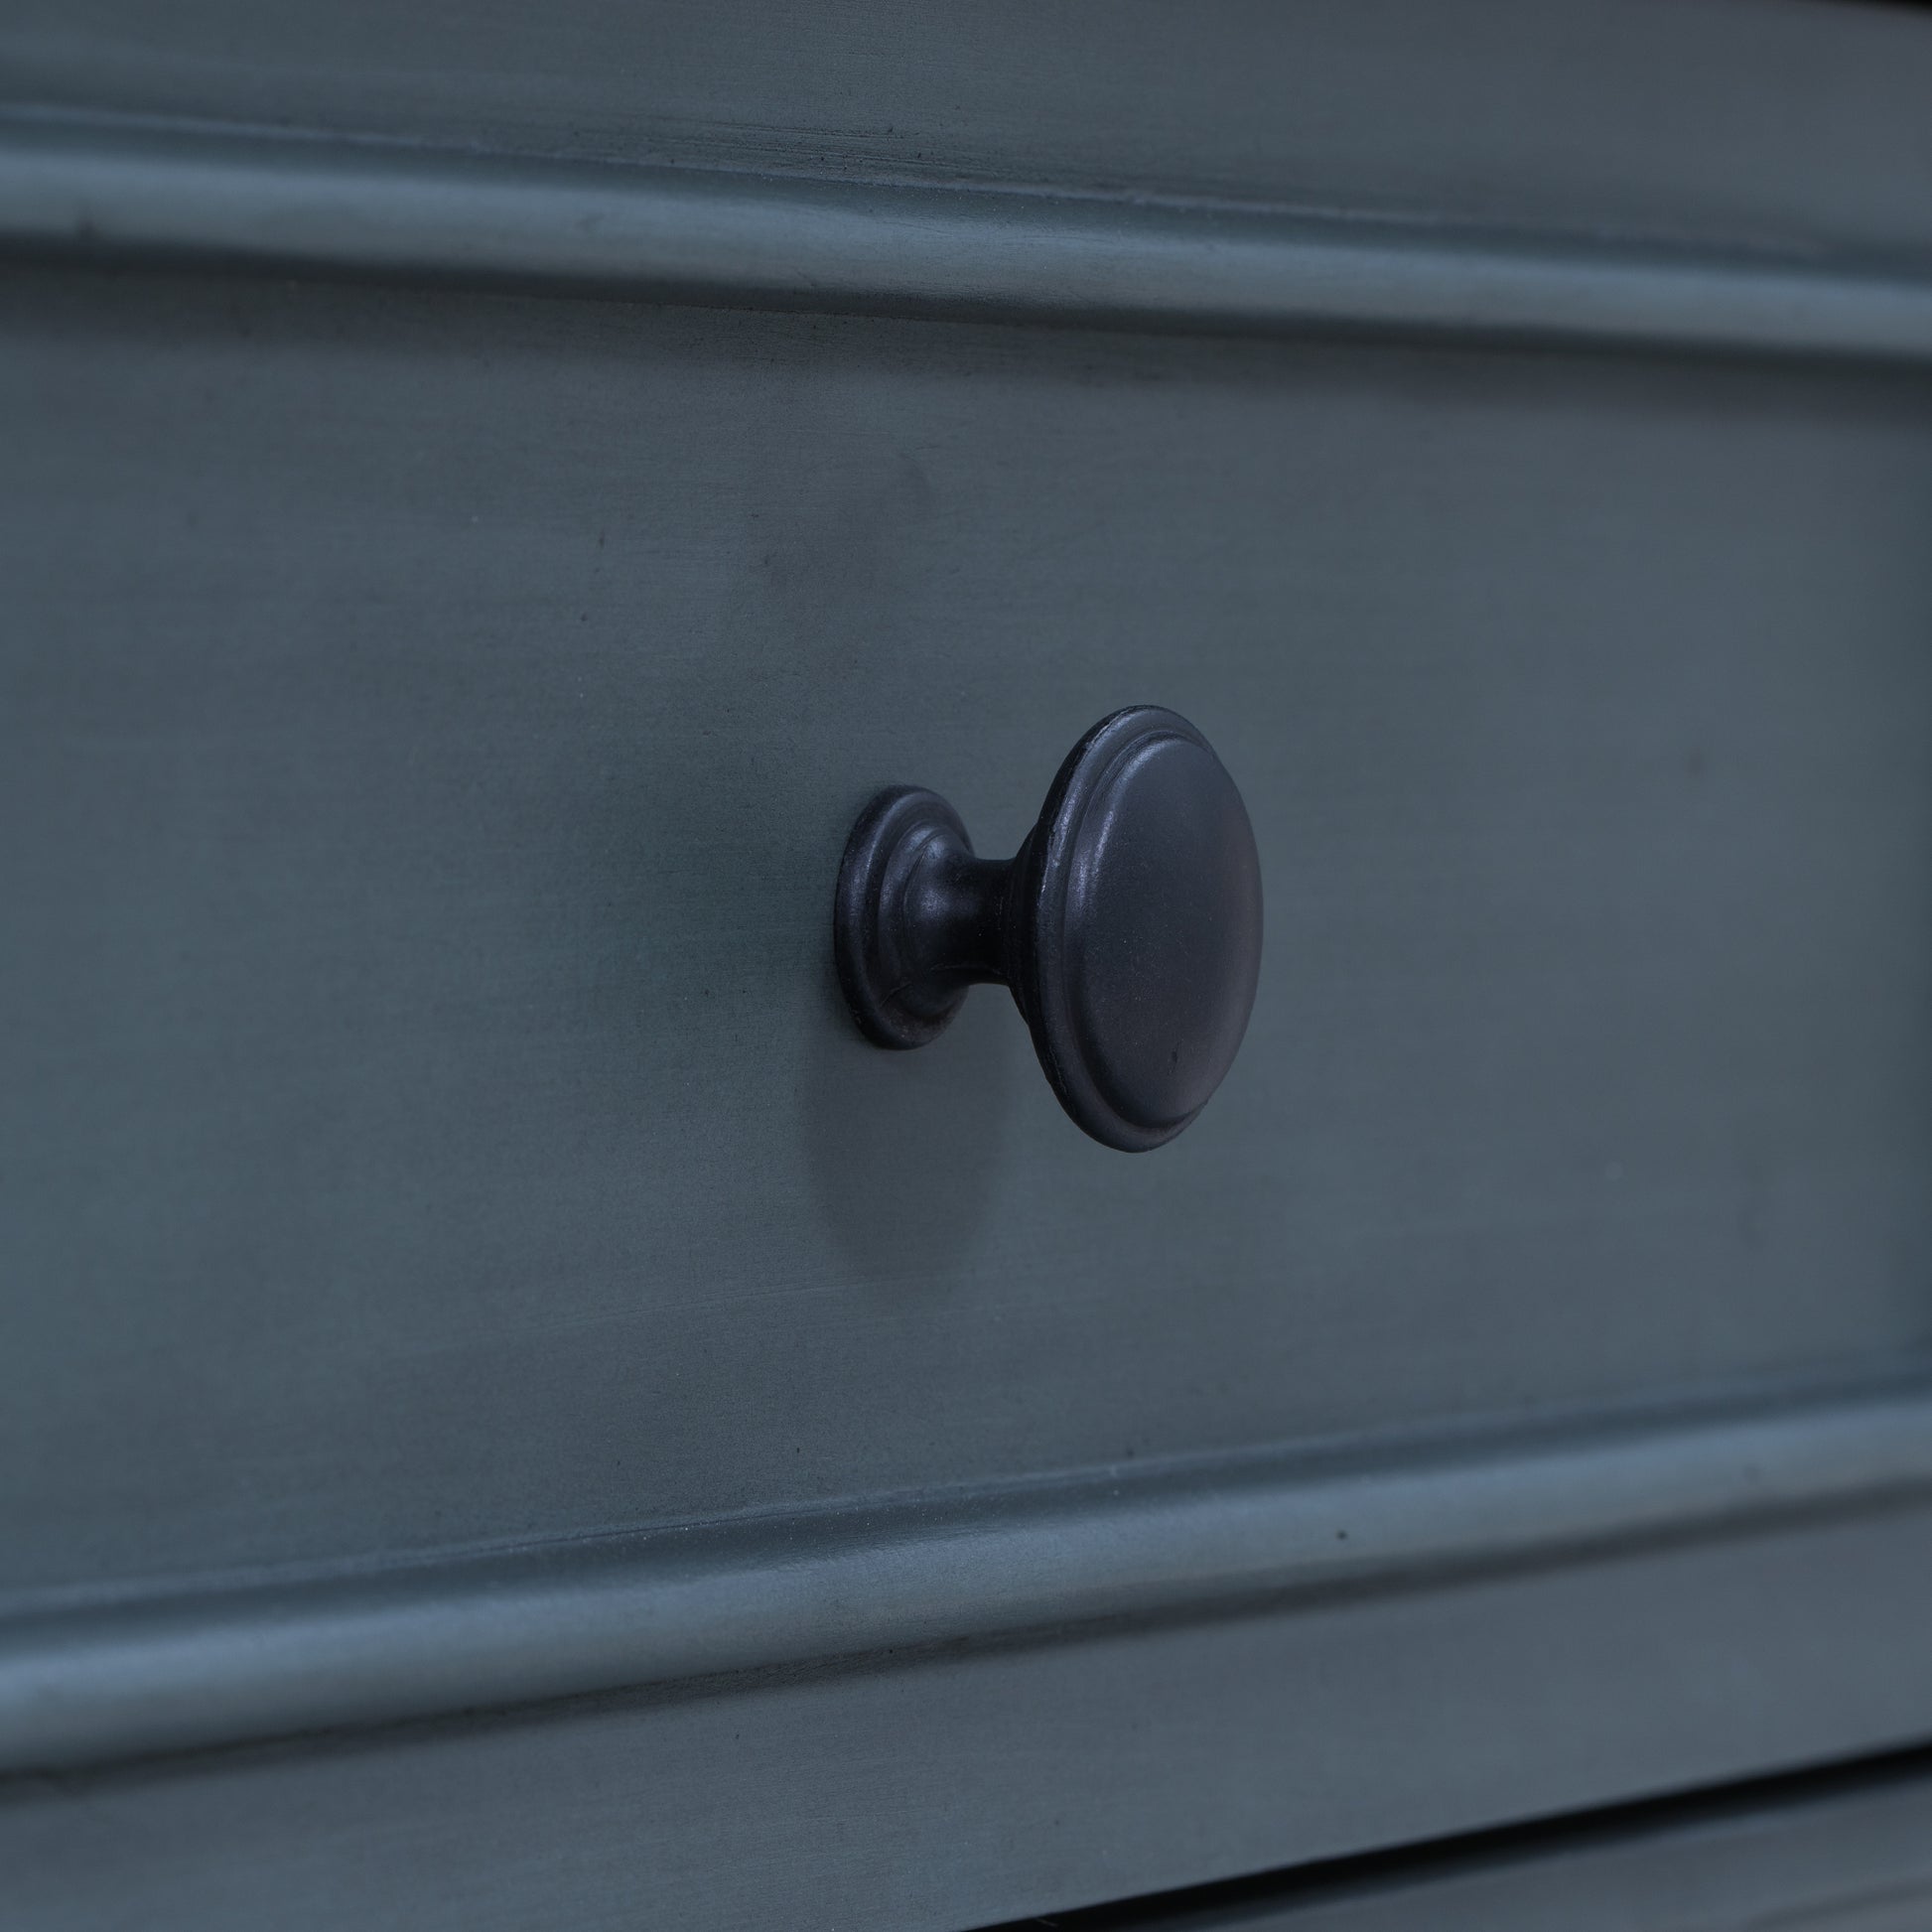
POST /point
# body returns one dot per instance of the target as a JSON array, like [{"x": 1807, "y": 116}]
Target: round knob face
[{"x": 1142, "y": 941}]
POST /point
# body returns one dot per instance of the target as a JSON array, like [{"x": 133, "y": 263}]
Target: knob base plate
[{"x": 896, "y": 1001}]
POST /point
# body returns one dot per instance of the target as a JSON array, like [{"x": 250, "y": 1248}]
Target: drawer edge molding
[
  {"x": 98, "y": 190},
  {"x": 100, "y": 1677}
]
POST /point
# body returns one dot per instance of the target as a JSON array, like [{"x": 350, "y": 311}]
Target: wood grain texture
[
  {"x": 415, "y": 1064},
  {"x": 428, "y": 727},
  {"x": 962, "y": 1788},
  {"x": 1787, "y": 124},
  {"x": 122, "y": 1674},
  {"x": 99, "y": 192},
  {"x": 429, "y": 1112}
]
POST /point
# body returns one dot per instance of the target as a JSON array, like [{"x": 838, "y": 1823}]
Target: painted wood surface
[
  {"x": 433, "y": 1150},
  {"x": 1776, "y": 124},
  {"x": 439, "y": 721},
  {"x": 966, "y": 1785},
  {"x": 1849, "y": 1849},
  {"x": 98, "y": 191}
]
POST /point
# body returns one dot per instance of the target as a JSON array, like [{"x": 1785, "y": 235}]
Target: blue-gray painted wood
[
  {"x": 963, "y": 1787},
  {"x": 427, "y": 1121},
  {"x": 89, "y": 1678},
  {"x": 1726, "y": 122},
  {"x": 430, "y": 1112},
  {"x": 431, "y": 1121},
  {"x": 1845, "y": 1851},
  {"x": 100, "y": 192}
]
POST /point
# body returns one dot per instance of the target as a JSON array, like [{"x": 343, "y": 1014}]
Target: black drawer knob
[{"x": 1128, "y": 924}]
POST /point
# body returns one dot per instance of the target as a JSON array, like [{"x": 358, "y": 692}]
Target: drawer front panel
[{"x": 438, "y": 721}]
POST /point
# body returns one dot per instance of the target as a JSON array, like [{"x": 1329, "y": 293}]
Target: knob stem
[
  {"x": 920, "y": 917},
  {"x": 954, "y": 916}
]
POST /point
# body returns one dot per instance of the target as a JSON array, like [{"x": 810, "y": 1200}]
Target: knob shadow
[{"x": 903, "y": 1148}]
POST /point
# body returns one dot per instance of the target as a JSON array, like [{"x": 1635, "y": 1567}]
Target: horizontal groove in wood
[
  {"x": 334, "y": 208},
  {"x": 1797, "y": 1851},
  {"x": 85, "y": 1680}
]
